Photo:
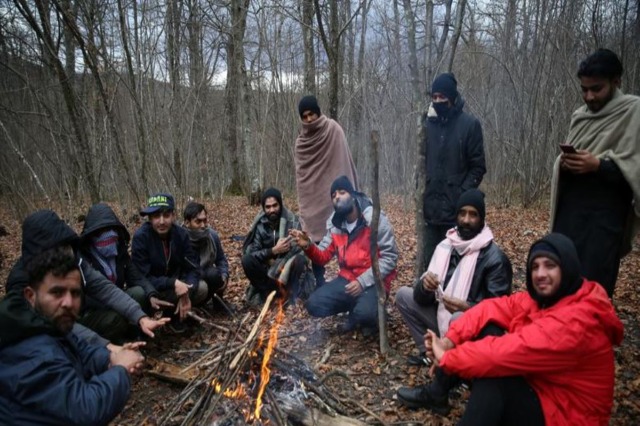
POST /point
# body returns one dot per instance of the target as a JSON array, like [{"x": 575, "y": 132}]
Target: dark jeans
[
  {"x": 110, "y": 324},
  {"x": 257, "y": 273},
  {"x": 502, "y": 401},
  {"x": 331, "y": 299},
  {"x": 318, "y": 273},
  {"x": 434, "y": 234},
  {"x": 213, "y": 278}
]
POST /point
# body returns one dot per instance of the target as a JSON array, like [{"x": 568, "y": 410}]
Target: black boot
[{"x": 425, "y": 396}]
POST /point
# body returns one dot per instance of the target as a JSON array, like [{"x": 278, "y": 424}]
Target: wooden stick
[
  {"x": 254, "y": 330},
  {"x": 325, "y": 356}
]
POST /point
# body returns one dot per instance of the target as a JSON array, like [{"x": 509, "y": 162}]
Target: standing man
[
  {"x": 555, "y": 364},
  {"x": 269, "y": 257},
  {"x": 47, "y": 374},
  {"x": 321, "y": 155},
  {"x": 466, "y": 268},
  {"x": 454, "y": 159},
  {"x": 161, "y": 250},
  {"x": 213, "y": 266},
  {"x": 348, "y": 238},
  {"x": 593, "y": 188}
]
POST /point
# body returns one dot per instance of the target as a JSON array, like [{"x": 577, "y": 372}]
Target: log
[{"x": 298, "y": 413}]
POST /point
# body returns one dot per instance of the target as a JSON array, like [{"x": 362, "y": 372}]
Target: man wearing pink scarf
[{"x": 467, "y": 267}]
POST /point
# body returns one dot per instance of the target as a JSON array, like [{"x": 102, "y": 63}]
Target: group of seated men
[{"x": 534, "y": 357}]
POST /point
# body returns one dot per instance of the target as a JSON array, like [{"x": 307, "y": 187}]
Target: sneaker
[
  {"x": 177, "y": 326},
  {"x": 424, "y": 397},
  {"x": 419, "y": 360}
]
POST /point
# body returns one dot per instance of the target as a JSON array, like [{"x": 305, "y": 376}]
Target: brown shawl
[
  {"x": 321, "y": 155},
  {"x": 613, "y": 133}
]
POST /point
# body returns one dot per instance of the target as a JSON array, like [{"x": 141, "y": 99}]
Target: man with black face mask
[
  {"x": 270, "y": 259},
  {"x": 348, "y": 238},
  {"x": 466, "y": 268},
  {"x": 454, "y": 159}
]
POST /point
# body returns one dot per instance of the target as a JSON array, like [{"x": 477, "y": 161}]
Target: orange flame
[
  {"x": 265, "y": 371},
  {"x": 238, "y": 392}
]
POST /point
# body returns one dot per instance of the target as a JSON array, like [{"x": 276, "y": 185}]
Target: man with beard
[
  {"x": 270, "y": 259},
  {"x": 321, "y": 153},
  {"x": 353, "y": 290},
  {"x": 553, "y": 363},
  {"x": 213, "y": 267},
  {"x": 47, "y": 374},
  {"x": 595, "y": 187},
  {"x": 161, "y": 250},
  {"x": 466, "y": 268}
]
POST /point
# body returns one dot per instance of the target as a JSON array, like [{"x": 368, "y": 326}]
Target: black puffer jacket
[
  {"x": 492, "y": 277},
  {"x": 263, "y": 236},
  {"x": 101, "y": 217},
  {"x": 454, "y": 162}
]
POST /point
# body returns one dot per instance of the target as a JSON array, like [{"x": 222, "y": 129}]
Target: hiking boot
[
  {"x": 424, "y": 397},
  {"x": 419, "y": 360}
]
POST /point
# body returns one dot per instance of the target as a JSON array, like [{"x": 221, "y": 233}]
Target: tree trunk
[{"x": 309, "y": 48}]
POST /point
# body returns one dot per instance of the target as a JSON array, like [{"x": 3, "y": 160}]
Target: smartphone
[{"x": 568, "y": 149}]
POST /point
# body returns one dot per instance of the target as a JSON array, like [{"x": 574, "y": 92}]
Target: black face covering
[
  {"x": 442, "y": 109},
  {"x": 344, "y": 206}
]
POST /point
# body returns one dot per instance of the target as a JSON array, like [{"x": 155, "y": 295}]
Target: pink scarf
[
  {"x": 460, "y": 282},
  {"x": 321, "y": 155}
]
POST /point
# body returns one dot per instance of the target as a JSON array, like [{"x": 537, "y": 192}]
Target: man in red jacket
[{"x": 555, "y": 363}]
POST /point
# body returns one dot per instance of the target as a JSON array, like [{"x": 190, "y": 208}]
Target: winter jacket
[
  {"x": 492, "y": 277},
  {"x": 562, "y": 346},
  {"x": 263, "y": 237},
  {"x": 149, "y": 257},
  {"x": 50, "y": 379},
  {"x": 220, "y": 261},
  {"x": 352, "y": 249},
  {"x": 100, "y": 218},
  {"x": 44, "y": 230},
  {"x": 454, "y": 161}
]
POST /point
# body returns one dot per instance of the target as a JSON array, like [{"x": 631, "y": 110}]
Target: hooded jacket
[
  {"x": 454, "y": 152},
  {"x": 563, "y": 346},
  {"x": 47, "y": 378},
  {"x": 100, "y": 218},
  {"x": 352, "y": 248},
  {"x": 44, "y": 230}
]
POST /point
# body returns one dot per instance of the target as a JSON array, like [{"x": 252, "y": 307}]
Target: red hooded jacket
[{"x": 565, "y": 351}]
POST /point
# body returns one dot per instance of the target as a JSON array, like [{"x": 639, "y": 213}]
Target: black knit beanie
[
  {"x": 344, "y": 183},
  {"x": 543, "y": 249},
  {"x": 474, "y": 198},
  {"x": 271, "y": 192},
  {"x": 447, "y": 85},
  {"x": 309, "y": 103}
]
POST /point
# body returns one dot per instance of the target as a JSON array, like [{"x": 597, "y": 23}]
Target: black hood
[
  {"x": 101, "y": 216},
  {"x": 18, "y": 320},
  {"x": 569, "y": 264},
  {"x": 44, "y": 230}
]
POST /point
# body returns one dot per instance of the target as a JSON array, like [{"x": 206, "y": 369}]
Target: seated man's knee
[
  {"x": 200, "y": 294},
  {"x": 403, "y": 298},
  {"x": 365, "y": 313},
  {"x": 247, "y": 261},
  {"x": 316, "y": 306}
]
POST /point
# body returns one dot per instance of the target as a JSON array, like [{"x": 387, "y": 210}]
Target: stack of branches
[{"x": 228, "y": 365}]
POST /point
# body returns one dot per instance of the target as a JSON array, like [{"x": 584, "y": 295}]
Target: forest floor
[{"x": 366, "y": 378}]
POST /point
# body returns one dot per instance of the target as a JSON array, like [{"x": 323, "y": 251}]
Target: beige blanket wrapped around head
[
  {"x": 321, "y": 155},
  {"x": 613, "y": 133}
]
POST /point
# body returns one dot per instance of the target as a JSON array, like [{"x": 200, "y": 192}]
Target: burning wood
[{"x": 250, "y": 380}]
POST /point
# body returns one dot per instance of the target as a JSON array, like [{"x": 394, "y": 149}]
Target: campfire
[{"x": 250, "y": 381}]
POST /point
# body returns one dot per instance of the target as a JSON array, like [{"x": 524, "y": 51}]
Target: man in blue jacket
[
  {"x": 454, "y": 152},
  {"x": 162, "y": 252},
  {"x": 47, "y": 374}
]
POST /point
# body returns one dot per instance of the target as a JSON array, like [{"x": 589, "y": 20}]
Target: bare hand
[
  {"x": 134, "y": 346},
  {"x": 130, "y": 359},
  {"x": 453, "y": 304},
  {"x": 580, "y": 162},
  {"x": 184, "y": 307},
  {"x": 147, "y": 325},
  {"x": 158, "y": 304},
  {"x": 430, "y": 281},
  {"x": 181, "y": 288},
  {"x": 436, "y": 347},
  {"x": 282, "y": 246},
  {"x": 354, "y": 289},
  {"x": 301, "y": 237}
]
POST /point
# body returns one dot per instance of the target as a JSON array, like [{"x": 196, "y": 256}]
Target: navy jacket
[
  {"x": 50, "y": 379},
  {"x": 100, "y": 218},
  {"x": 148, "y": 254},
  {"x": 454, "y": 153}
]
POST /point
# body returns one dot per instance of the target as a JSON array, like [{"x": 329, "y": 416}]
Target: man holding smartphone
[{"x": 593, "y": 186}]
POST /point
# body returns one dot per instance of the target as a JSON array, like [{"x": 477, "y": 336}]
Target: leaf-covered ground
[{"x": 372, "y": 380}]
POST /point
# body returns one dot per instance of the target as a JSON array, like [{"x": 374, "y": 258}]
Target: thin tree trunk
[{"x": 456, "y": 33}]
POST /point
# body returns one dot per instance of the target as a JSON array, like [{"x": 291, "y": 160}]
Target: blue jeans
[{"x": 332, "y": 299}]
